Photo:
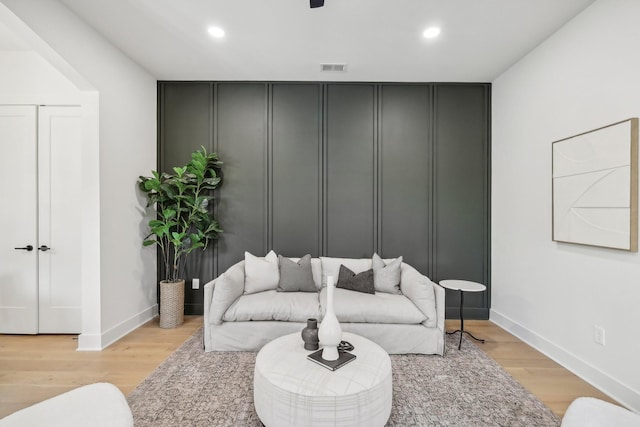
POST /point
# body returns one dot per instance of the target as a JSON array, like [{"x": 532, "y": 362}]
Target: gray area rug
[{"x": 463, "y": 388}]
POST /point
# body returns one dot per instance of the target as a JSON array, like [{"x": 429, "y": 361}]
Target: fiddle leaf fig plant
[{"x": 182, "y": 200}]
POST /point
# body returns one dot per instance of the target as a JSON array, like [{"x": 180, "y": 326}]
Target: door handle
[
  {"x": 26, "y": 248},
  {"x": 44, "y": 248}
]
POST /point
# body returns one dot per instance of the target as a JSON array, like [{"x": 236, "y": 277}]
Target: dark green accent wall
[
  {"x": 404, "y": 174},
  {"x": 241, "y": 142},
  {"x": 350, "y": 170},
  {"x": 343, "y": 170},
  {"x": 296, "y": 170}
]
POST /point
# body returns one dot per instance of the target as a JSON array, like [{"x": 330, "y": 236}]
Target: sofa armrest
[
  {"x": 208, "y": 296},
  {"x": 421, "y": 291},
  {"x": 223, "y": 291},
  {"x": 440, "y": 305}
]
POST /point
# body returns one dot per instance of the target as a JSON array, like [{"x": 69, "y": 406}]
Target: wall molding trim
[
  {"x": 468, "y": 313},
  {"x": 98, "y": 342},
  {"x": 589, "y": 373},
  {"x": 341, "y": 169},
  {"x": 196, "y": 308}
]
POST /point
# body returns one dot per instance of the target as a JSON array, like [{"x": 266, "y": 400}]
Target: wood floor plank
[
  {"x": 554, "y": 385},
  {"x": 35, "y": 368}
]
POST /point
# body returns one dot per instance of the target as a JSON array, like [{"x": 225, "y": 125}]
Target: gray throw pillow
[
  {"x": 296, "y": 276},
  {"x": 361, "y": 282},
  {"x": 386, "y": 276}
]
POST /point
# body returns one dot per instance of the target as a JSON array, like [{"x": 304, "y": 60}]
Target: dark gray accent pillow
[
  {"x": 361, "y": 282},
  {"x": 296, "y": 276}
]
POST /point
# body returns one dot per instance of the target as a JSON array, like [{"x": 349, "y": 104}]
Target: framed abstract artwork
[{"x": 595, "y": 187}]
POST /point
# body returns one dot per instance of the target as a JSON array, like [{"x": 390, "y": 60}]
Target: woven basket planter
[{"x": 171, "y": 304}]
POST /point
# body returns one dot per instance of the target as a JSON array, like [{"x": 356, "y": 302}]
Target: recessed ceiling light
[
  {"x": 216, "y": 32},
  {"x": 431, "y": 32}
]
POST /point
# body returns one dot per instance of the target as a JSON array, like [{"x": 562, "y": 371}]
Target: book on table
[{"x": 344, "y": 357}]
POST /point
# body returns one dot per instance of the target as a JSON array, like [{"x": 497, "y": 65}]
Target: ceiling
[{"x": 379, "y": 40}]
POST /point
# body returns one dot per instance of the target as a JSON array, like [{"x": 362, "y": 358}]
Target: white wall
[
  {"x": 552, "y": 294},
  {"x": 125, "y": 147},
  {"x": 26, "y": 78}
]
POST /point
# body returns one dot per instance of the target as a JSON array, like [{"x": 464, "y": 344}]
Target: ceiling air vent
[{"x": 340, "y": 68}]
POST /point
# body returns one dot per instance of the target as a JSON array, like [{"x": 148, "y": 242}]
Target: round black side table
[{"x": 462, "y": 286}]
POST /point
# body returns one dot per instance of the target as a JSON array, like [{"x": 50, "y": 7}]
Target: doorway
[{"x": 40, "y": 249}]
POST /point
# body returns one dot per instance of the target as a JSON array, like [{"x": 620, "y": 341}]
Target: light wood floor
[
  {"x": 555, "y": 386},
  {"x": 34, "y": 368}
]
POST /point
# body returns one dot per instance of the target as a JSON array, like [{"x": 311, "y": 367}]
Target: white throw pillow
[
  {"x": 260, "y": 274},
  {"x": 386, "y": 274}
]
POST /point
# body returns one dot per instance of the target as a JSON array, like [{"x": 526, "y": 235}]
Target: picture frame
[{"x": 595, "y": 187}]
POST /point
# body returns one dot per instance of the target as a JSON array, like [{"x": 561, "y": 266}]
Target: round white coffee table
[
  {"x": 290, "y": 390},
  {"x": 462, "y": 286}
]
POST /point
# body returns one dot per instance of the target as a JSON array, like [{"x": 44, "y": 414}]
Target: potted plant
[{"x": 184, "y": 223}]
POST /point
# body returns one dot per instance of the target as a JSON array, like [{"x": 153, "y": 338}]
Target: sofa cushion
[
  {"x": 296, "y": 275},
  {"x": 361, "y": 282},
  {"x": 273, "y": 305},
  {"x": 261, "y": 274},
  {"x": 386, "y": 274},
  {"x": 331, "y": 266},
  {"x": 358, "y": 307}
]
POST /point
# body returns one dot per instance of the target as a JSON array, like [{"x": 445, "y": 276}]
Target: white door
[
  {"x": 60, "y": 221},
  {"x": 18, "y": 217},
  {"x": 40, "y": 205}
]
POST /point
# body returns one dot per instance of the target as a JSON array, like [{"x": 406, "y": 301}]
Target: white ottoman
[
  {"x": 290, "y": 390},
  {"x": 95, "y": 405}
]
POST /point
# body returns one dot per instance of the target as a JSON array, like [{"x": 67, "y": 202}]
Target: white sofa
[
  {"x": 411, "y": 321},
  {"x": 94, "y": 405},
  {"x": 592, "y": 412}
]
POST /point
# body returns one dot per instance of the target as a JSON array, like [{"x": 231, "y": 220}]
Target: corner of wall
[
  {"x": 607, "y": 384},
  {"x": 98, "y": 342}
]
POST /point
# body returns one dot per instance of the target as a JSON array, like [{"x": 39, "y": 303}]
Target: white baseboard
[
  {"x": 605, "y": 383},
  {"x": 89, "y": 342},
  {"x": 98, "y": 342}
]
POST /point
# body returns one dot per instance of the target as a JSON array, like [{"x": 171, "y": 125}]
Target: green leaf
[
  {"x": 212, "y": 181},
  {"x": 168, "y": 213},
  {"x": 180, "y": 171},
  {"x": 150, "y": 185},
  {"x": 161, "y": 231}
]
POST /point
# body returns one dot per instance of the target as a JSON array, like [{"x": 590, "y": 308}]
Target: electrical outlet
[
  {"x": 598, "y": 334},
  {"x": 195, "y": 283}
]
